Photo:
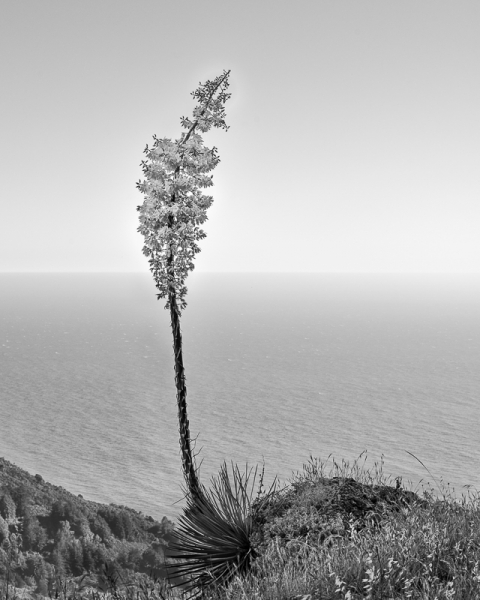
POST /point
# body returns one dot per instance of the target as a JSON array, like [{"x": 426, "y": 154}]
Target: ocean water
[{"x": 279, "y": 367}]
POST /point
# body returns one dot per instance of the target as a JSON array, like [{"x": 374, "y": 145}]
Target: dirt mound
[{"x": 325, "y": 508}]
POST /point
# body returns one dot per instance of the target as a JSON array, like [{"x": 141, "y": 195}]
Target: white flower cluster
[{"x": 174, "y": 205}]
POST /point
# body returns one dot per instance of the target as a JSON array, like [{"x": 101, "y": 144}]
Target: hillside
[
  {"x": 46, "y": 533},
  {"x": 340, "y": 535}
]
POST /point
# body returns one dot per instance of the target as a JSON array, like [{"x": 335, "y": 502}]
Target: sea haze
[{"x": 279, "y": 367}]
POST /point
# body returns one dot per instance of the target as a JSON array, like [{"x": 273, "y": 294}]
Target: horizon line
[{"x": 246, "y": 272}]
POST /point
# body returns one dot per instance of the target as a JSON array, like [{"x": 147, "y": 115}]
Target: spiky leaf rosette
[
  {"x": 212, "y": 541},
  {"x": 174, "y": 204}
]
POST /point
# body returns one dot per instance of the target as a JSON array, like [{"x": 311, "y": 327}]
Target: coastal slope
[{"x": 46, "y": 533}]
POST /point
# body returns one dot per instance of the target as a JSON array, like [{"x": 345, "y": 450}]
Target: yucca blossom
[{"x": 172, "y": 212}]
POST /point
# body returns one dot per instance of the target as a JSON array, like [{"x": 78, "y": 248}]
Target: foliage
[
  {"x": 34, "y": 536},
  {"x": 7, "y": 506},
  {"x": 419, "y": 547},
  {"x": 3, "y": 531},
  {"x": 212, "y": 541},
  {"x": 120, "y": 522},
  {"x": 61, "y": 535}
]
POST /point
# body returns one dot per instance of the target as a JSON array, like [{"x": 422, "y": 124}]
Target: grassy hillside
[
  {"x": 343, "y": 534},
  {"x": 347, "y": 534}
]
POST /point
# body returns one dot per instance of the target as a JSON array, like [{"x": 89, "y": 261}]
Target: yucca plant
[
  {"x": 213, "y": 537},
  {"x": 213, "y": 541},
  {"x": 174, "y": 207}
]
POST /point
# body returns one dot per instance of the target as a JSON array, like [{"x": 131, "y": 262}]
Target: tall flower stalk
[{"x": 173, "y": 209}]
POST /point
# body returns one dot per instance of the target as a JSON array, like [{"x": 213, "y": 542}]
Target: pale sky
[{"x": 354, "y": 141}]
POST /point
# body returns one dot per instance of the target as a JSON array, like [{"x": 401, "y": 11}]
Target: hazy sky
[{"x": 354, "y": 143}]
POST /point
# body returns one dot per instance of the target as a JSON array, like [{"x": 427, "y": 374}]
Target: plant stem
[
  {"x": 188, "y": 463},
  {"x": 189, "y": 469}
]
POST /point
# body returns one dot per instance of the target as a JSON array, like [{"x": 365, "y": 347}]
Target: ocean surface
[{"x": 279, "y": 367}]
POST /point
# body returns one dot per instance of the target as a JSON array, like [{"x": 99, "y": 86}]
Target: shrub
[
  {"x": 34, "y": 536},
  {"x": 3, "y": 532},
  {"x": 7, "y": 506},
  {"x": 120, "y": 523},
  {"x": 42, "y": 587},
  {"x": 100, "y": 527},
  {"x": 74, "y": 552}
]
